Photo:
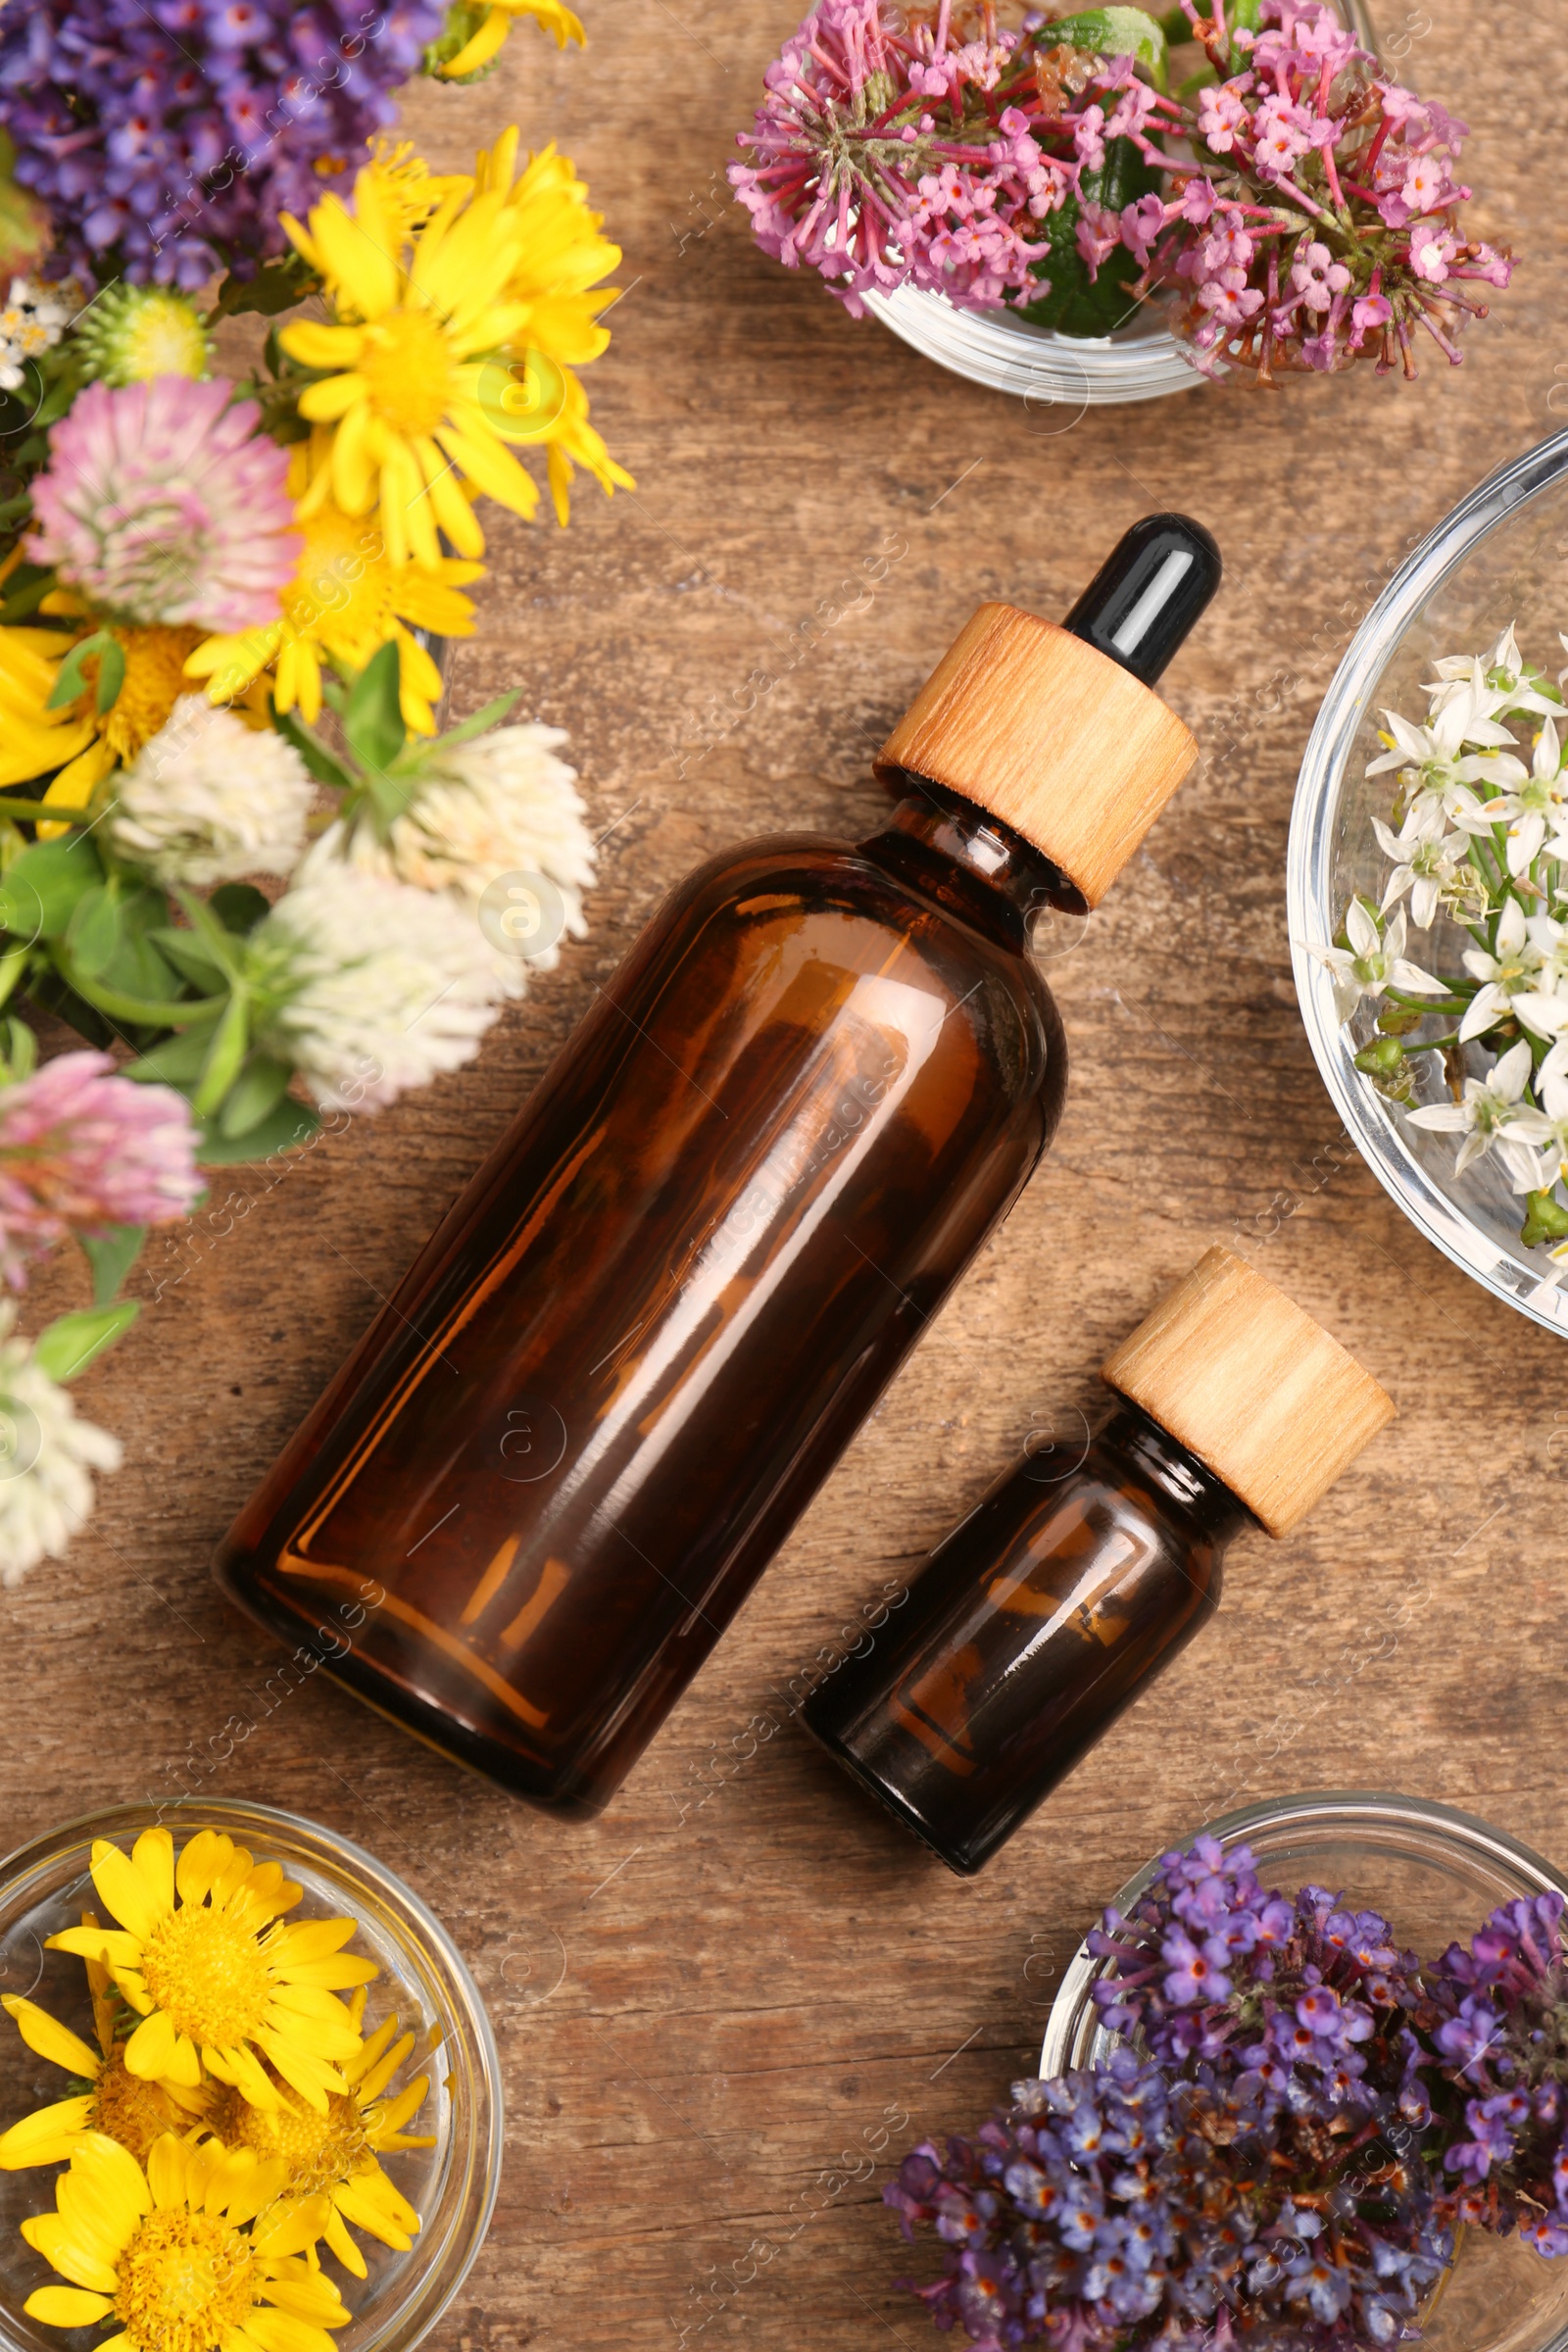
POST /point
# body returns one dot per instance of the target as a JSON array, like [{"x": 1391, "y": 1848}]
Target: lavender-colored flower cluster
[
  {"x": 165, "y": 137},
  {"x": 1309, "y": 2115},
  {"x": 1113, "y": 2207}
]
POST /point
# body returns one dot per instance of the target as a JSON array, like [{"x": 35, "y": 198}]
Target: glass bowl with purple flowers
[
  {"x": 1428, "y": 884},
  {"x": 1371, "y": 1986}
]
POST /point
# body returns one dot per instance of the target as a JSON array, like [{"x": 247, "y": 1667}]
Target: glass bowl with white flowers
[{"x": 1454, "y": 979}]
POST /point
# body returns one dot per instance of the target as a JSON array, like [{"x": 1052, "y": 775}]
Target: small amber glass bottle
[
  {"x": 1081, "y": 1575},
  {"x": 558, "y": 1460}
]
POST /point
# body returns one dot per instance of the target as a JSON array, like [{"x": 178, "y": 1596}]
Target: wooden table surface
[{"x": 728, "y": 2006}]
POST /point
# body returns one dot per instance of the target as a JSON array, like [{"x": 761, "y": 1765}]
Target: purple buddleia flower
[{"x": 166, "y": 136}]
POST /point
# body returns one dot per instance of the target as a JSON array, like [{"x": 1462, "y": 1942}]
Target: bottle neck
[
  {"x": 1180, "y": 1477},
  {"x": 971, "y": 862}
]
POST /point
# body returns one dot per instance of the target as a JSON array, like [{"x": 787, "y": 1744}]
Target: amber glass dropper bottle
[
  {"x": 560, "y": 1459},
  {"x": 1076, "y": 1582}
]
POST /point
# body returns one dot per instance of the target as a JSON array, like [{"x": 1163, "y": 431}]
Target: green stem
[
  {"x": 33, "y": 810},
  {"x": 180, "y": 1012}
]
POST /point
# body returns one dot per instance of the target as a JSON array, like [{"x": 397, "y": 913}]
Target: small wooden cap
[
  {"x": 1054, "y": 738},
  {"x": 1252, "y": 1386}
]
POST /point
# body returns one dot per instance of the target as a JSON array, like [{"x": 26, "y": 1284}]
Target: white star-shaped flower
[
  {"x": 1373, "y": 962},
  {"x": 1491, "y": 1116}
]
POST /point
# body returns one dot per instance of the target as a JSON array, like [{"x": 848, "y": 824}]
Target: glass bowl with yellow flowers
[{"x": 249, "y": 2096}]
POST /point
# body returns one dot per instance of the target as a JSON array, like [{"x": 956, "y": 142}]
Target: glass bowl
[
  {"x": 1057, "y": 376},
  {"x": 1501, "y": 555},
  {"x": 1435, "y": 1874},
  {"x": 45, "y": 1885}
]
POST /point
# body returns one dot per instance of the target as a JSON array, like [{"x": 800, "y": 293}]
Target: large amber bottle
[{"x": 557, "y": 1463}]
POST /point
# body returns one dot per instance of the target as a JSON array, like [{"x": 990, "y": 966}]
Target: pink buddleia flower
[
  {"x": 161, "y": 503},
  {"x": 81, "y": 1150}
]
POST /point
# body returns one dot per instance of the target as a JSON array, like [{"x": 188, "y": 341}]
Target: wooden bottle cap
[
  {"x": 1052, "y": 736},
  {"x": 1250, "y": 1385}
]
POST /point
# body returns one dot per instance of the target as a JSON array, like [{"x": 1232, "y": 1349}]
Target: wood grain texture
[
  {"x": 741, "y": 1975},
  {"x": 1254, "y": 1387},
  {"x": 1077, "y": 755}
]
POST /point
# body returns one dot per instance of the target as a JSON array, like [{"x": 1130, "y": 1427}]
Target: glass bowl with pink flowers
[{"x": 1097, "y": 206}]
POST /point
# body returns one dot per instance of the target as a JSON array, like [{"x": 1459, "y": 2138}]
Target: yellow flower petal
[
  {"x": 343, "y": 2246},
  {"x": 319, "y": 346},
  {"x": 201, "y": 1859},
  {"x": 332, "y": 397},
  {"x": 153, "y": 2050},
  {"x": 46, "y": 2136},
  {"x": 153, "y": 1859},
  {"x": 51, "y": 2039},
  {"x": 124, "y": 1890},
  {"x": 167, "y": 2170},
  {"x": 68, "y": 2306}
]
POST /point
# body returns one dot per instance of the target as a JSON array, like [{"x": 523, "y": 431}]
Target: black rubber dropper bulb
[{"x": 1148, "y": 593}]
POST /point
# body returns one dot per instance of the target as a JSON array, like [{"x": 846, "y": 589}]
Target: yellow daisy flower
[
  {"x": 190, "y": 2254},
  {"x": 119, "y": 2104},
  {"x": 346, "y": 600},
  {"x": 216, "y": 1976},
  {"x": 82, "y": 743},
  {"x": 406, "y": 352},
  {"x": 499, "y": 18},
  {"x": 561, "y": 256},
  {"x": 336, "y": 2156}
]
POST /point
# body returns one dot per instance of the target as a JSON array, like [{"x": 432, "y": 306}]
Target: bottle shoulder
[{"x": 773, "y": 882}]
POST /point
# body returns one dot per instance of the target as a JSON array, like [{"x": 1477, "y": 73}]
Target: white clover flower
[
  {"x": 208, "y": 799},
  {"x": 1492, "y": 1118},
  {"x": 1518, "y": 979},
  {"x": 1373, "y": 962},
  {"x": 46, "y": 1452},
  {"x": 503, "y": 804},
  {"x": 370, "y": 987}
]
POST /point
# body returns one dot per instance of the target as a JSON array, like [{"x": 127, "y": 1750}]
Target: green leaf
[
  {"x": 111, "y": 1254},
  {"x": 39, "y": 893},
  {"x": 69, "y": 1344},
  {"x": 372, "y": 721},
  {"x": 258, "y": 1087},
  {"x": 176, "y": 1061},
  {"x": 95, "y": 929},
  {"x": 71, "y": 679},
  {"x": 323, "y": 765},
  {"x": 417, "y": 754},
  {"x": 230, "y": 1040},
  {"x": 1077, "y": 304},
  {"x": 276, "y": 286},
  {"x": 289, "y": 1123},
  {"x": 190, "y": 956},
  {"x": 1111, "y": 32},
  {"x": 239, "y": 906}
]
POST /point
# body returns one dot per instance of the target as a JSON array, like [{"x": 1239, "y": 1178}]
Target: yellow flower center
[
  {"x": 407, "y": 361},
  {"x": 320, "y": 2150},
  {"x": 164, "y": 338},
  {"x": 341, "y": 587},
  {"x": 207, "y": 1974},
  {"x": 129, "y": 2110},
  {"x": 184, "y": 2282},
  {"x": 154, "y": 681}
]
